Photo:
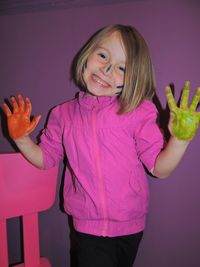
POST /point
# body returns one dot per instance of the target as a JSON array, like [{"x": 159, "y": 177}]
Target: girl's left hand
[{"x": 184, "y": 121}]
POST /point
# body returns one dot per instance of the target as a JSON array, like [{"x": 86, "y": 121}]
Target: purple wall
[{"x": 35, "y": 55}]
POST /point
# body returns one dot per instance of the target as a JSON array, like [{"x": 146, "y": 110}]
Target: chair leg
[
  {"x": 31, "y": 240},
  {"x": 3, "y": 244},
  {"x": 43, "y": 263}
]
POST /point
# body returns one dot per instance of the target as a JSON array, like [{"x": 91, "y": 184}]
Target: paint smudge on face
[{"x": 119, "y": 89}]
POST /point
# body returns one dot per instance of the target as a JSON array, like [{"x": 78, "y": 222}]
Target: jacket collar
[{"x": 95, "y": 101}]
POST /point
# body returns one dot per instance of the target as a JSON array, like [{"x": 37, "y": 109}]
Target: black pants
[{"x": 94, "y": 251}]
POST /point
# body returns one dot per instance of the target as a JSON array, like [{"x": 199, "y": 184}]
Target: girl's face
[{"x": 104, "y": 73}]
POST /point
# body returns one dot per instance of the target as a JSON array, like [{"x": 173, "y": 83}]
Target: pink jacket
[{"x": 106, "y": 189}]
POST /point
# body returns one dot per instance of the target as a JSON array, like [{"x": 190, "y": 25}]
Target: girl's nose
[{"x": 107, "y": 69}]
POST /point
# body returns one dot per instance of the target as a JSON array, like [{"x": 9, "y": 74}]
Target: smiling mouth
[{"x": 101, "y": 82}]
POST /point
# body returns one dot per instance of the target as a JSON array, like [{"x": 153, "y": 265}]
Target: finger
[
  {"x": 171, "y": 119},
  {"x": 14, "y": 104},
  {"x": 28, "y": 107},
  {"x": 170, "y": 98},
  {"x": 21, "y": 103},
  {"x": 7, "y": 110},
  {"x": 34, "y": 123},
  {"x": 195, "y": 100},
  {"x": 185, "y": 95}
]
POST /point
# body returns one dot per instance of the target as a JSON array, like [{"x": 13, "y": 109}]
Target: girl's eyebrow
[{"x": 101, "y": 47}]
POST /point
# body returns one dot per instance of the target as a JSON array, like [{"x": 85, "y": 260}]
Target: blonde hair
[{"x": 139, "y": 81}]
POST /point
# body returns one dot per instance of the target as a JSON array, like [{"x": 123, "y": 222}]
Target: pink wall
[{"x": 35, "y": 55}]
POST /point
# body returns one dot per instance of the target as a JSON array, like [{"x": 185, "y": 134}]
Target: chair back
[{"x": 24, "y": 191}]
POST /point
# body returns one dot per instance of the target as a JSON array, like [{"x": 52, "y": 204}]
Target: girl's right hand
[{"x": 19, "y": 123}]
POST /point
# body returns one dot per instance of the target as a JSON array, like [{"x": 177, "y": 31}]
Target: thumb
[
  {"x": 171, "y": 121},
  {"x": 34, "y": 123}
]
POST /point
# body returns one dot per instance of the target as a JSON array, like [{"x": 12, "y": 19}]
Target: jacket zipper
[{"x": 99, "y": 172}]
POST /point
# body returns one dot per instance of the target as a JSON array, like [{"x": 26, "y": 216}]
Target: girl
[{"x": 108, "y": 133}]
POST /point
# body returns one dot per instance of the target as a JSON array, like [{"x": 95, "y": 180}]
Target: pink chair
[{"x": 24, "y": 191}]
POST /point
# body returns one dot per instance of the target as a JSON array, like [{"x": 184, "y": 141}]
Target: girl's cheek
[
  {"x": 119, "y": 85},
  {"x": 120, "y": 80}
]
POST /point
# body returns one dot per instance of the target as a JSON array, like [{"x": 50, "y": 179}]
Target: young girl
[{"x": 108, "y": 133}]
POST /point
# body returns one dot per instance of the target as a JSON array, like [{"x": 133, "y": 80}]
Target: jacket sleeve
[
  {"x": 51, "y": 140},
  {"x": 148, "y": 137}
]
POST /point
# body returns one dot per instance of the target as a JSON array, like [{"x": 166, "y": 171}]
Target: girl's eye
[
  {"x": 103, "y": 56},
  {"x": 122, "y": 68}
]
